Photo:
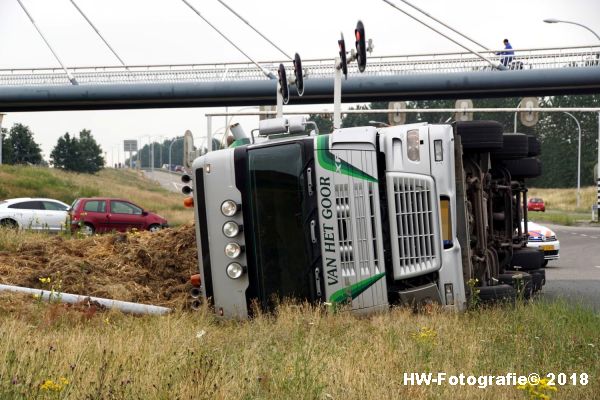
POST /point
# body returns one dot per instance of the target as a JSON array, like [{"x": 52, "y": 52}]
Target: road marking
[
  {"x": 593, "y": 237},
  {"x": 597, "y": 266},
  {"x": 583, "y": 234}
]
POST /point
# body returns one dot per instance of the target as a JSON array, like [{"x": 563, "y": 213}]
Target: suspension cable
[
  {"x": 71, "y": 77},
  {"x": 494, "y": 65},
  {"x": 98, "y": 32},
  {"x": 267, "y": 73},
  {"x": 253, "y": 28},
  {"x": 444, "y": 24}
]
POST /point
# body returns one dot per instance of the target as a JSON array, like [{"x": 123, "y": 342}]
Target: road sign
[
  {"x": 529, "y": 118},
  {"x": 398, "y": 117},
  {"x": 130, "y": 145},
  {"x": 461, "y": 115}
]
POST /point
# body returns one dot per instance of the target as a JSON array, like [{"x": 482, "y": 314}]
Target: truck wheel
[
  {"x": 527, "y": 259},
  {"x": 535, "y": 147},
  {"x": 539, "y": 278},
  {"x": 503, "y": 292},
  {"x": 524, "y": 168},
  {"x": 521, "y": 281},
  {"x": 516, "y": 145},
  {"x": 479, "y": 135}
]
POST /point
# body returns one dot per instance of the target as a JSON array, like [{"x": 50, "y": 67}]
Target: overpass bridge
[{"x": 542, "y": 71}]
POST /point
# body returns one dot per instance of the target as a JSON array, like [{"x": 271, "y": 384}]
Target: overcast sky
[{"x": 168, "y": 32}]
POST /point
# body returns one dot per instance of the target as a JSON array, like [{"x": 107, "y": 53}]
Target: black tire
[
  {"x": 527, "y": 259},
  {"x": 545, "y": 264},
  {"x": 524, "y": 168},
  {"x": 154, "y": 228},
  {"x": 522, "y": 282},
  {"x": 539, "y": 278},
  {"x": 535, "y": 147},
  {"x": 490, "y": 294},
  {"x": 479, "y": 135},
  {"x": 88, "y": 229},
  {"x": 9, "y": 223},
  {"x": 515, "y": 145}
]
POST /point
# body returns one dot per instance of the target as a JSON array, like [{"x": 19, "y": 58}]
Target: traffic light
[
  {"x": 361, "y": 47},
  {"x": 343, "y": 60},
  {"x": 298, "y": 73},
  {"x": 283, "y": 84}
]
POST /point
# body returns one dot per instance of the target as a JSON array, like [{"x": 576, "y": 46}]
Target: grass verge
[
  {"x": 32, "y": 181},
  {"x": 301, "y": 352}
]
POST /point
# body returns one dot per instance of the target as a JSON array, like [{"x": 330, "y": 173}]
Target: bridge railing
[{"x": 539, "y": 58}]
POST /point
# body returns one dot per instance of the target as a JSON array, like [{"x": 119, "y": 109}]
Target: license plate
[{"x": 547, "y": 247}]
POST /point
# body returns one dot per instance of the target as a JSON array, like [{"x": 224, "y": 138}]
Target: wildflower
[
  {"x": 45, "y": 280},
  {"x": 424, "y": 335},
  {"x": 200, "y": 333}
]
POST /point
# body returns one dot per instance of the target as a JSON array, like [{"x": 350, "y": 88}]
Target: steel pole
[
  {"x": 578, "y": 158},
  {"x": 1, "y": 137},
  {"x": 170, "y": 147}
]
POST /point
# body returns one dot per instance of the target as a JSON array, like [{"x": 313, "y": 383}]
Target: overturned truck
[{"x": 366, "y": 217}]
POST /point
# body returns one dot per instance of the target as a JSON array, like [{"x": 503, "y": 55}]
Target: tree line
[
  {"x": 556, "y": 131},
  {"x": 71, "y": 153}
]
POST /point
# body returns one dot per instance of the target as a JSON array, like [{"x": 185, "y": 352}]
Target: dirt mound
[{"x": 144, "y": 267}]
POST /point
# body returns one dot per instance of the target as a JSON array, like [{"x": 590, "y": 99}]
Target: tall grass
[
  {"x": 300, "y": 352},
  {"x": 566, "y": 199},
  {"x": 31, "y": 181}
]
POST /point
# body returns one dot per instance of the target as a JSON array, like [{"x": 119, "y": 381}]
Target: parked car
[
  {"x": 103, "y": 214},
  {"x": 543, "y": 238},
  {"x": 34, "y": 213},
  {"x": 536, "y": 204}
]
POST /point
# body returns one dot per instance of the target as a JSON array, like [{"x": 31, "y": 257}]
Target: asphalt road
[
  {"x": 575, "y": 276},
  {"x": 168, "y": 180}
]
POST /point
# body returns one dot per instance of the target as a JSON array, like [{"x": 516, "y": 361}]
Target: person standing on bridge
[{"x": 507, "y": 54}]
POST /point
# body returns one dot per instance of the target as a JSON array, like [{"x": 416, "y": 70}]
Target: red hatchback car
[
  {"x": 536, "y": 204},
  {"x": 101, "y": 214}
]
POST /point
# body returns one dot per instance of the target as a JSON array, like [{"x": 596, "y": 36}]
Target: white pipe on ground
[{"x": 124, "y": 306}]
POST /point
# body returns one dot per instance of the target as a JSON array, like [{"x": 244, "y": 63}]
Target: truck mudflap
[{"x": 350, "y": 225}]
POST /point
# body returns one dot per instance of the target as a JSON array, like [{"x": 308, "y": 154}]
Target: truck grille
[
  {"x": 414, "y": 224},
  {"x": 357, "y": 229}
]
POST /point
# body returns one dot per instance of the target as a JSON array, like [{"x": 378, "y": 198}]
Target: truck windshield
[{"x": 276, "y": 190}]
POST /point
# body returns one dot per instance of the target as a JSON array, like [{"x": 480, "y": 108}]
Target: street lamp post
[
  {"x": 578, "y": 158},
  {"x": 1, "y": 137},
  {"x": 554, "y": 21},
  {"x": 170, "y": 147}
]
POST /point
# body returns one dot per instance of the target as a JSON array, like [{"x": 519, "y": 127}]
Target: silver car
[{"x": 33, "y": 213}]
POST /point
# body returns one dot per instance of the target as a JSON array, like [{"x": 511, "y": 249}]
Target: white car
[
  {"x": 33, "y": 213},
  {"x": 545, "y": 239}
]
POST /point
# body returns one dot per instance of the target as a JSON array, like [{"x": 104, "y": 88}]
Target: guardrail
[{"x": 538, "y": 58}]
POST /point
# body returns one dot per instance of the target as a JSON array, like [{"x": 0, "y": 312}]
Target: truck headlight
[
  {"x": 231, "y": 229},
  {"x": 233, "y": 250},
  {"x": 229, "y": 208},
  {"x": 235, "y": 270},
  {"x": 413, "y": 145}
]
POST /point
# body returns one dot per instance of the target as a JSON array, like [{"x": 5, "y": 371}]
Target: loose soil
[{"x": 143, "y": 267}]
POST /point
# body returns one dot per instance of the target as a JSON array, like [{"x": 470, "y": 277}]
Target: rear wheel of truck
[
  {"x": 479, "y": 135},
  {"x": 491, "y": 294},
  {"x": 516, "y": 145},
  {"x": 522, "y": 282},
  {"x": 524, "y": 168},
  {"x": 539, "y": 278},
  {"x": 535, "y": 147},
  {"x": 527, "y": 259}
]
